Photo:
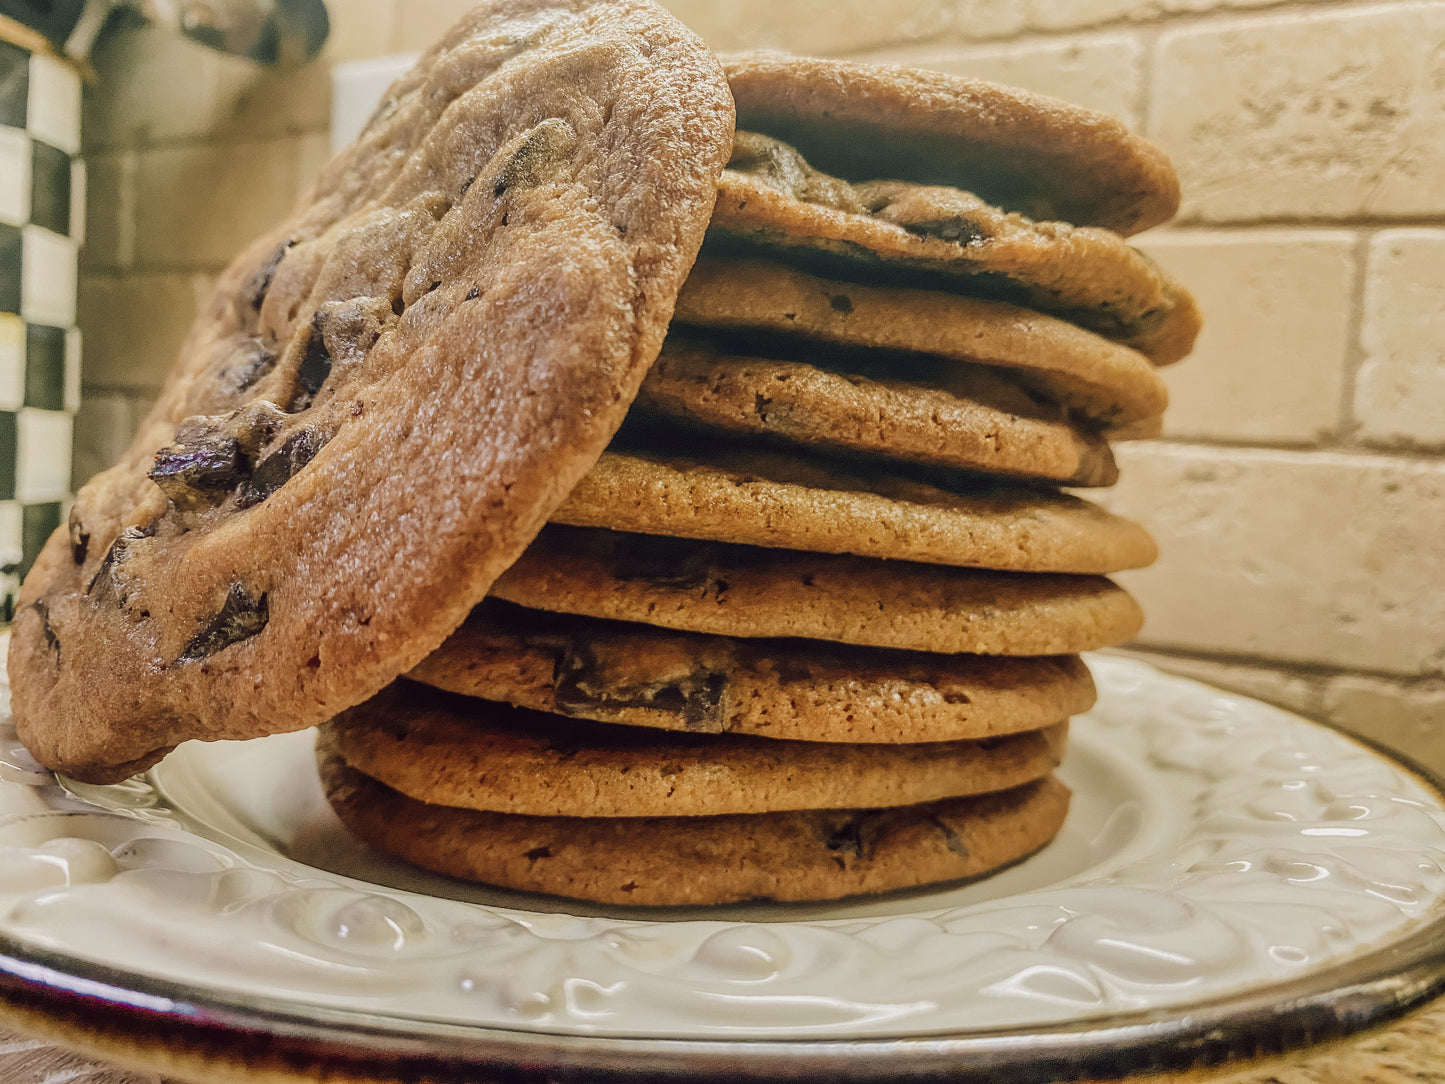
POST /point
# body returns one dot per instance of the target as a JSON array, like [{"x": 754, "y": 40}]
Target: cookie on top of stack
[
  {"x": 829, "y": 545},
  {"x": 808, "y": 626}
]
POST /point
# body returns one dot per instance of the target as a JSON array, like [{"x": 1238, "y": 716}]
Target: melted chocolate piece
[
  {"x": 581, "y": 684},
  {"x": 241, "y": 617},
  {"x": 845, "y": 839},
  {"x": 79, "y": 539},
  {"x": 280, "y": 466},
  {"x": 250, "y": 362},
  {"x": 52, "y": 641},
  {"x": 535, "y": 156},
  {"x": 316, "y": 362},
  {"x": 253, "y": 294},
  {"x": 951, "y": 839},
  {"x": 106, "y": 584},
  {"x": 196, "y": 473},
  {"x": 957, "y": 229}
]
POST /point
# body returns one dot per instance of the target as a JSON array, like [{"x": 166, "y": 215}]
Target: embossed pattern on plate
[{"x": 1216, "y": 845}]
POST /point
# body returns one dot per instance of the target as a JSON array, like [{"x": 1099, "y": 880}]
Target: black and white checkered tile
[{"x": 42, "y": 210}]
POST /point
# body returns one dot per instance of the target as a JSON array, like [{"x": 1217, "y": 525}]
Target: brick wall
[{"x": 1299, "y": 492}]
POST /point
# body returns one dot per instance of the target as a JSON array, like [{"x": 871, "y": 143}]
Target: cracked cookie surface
[{"x": 385, "y": 397}]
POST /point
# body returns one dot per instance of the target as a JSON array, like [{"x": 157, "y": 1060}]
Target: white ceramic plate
[{"x": 1230, "y": 878}]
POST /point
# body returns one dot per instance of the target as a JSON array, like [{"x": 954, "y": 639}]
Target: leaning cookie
[
  {"x": 659, "y": 861},
  {"x": 730, "y": 590},
  {"x": 769, "y": 197},
  {"x": 801, "y": 690},
  {"x": 386, "y": 396}
]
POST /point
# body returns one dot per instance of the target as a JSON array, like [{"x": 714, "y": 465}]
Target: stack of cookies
[
  {"x": 810, "y": 626},
  {"x": 786, "y": 606}
]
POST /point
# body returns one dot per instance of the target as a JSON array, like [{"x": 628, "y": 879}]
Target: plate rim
[
  {"x": 1362, "y": 991},
  {"x": 1330, "y": 1004}
]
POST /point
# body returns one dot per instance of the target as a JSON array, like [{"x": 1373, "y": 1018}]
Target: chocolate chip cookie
[
  {"x": 771, "y": 198},
  {"x": 1098, "y": 379},
  {"x": 1020, "y": 151},
  {"x": 796, "y": 855},
  {"x": 730, "y": 590},
  {"x": 802, "y": 690},
  {"x": 386, "y": 396},
  {"x": 478, "y": 754},
  {"x": 968, "y": 418},
  {"x": 763, "y": 498}
]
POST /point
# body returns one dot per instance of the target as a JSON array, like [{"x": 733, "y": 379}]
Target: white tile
[
  {"x": 72, "y": 370},
  {"x": 11, "y": 532},
  {"x": 47, "y": 286},
  {"x": 42, "y": 456},
  {"x": 12, "y": 361},
  {"x": 54, "y": 106},
  {"x": 77, "y": 202},
  {"x": 356, "y": 88},
  {"x": 14, "y": 176}
]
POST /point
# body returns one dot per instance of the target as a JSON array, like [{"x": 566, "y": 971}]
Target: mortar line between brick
[
  {"x": 1416, "y": 456},
  {"x": 1161, "y": 20},
  {"x": 1348, "y": 424},
  {"x": 1148, "y": 39}
]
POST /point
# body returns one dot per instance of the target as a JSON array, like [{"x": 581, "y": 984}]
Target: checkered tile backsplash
[{"x": 42, "y": 211}]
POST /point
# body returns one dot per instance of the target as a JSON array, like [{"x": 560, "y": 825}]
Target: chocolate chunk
[
  {"x": 248, "y": 364},
  {"x": 581, "y": 684},
  {"x": 845, "y": 839},
  {"x": 253, "y": 294},
  {"x": 242, "y": 616},
  {"x": 667, "y": 562},
  {"x": 79, "y": 538},
  {"x": 841, "y": 303},
  {"x": 200, "y": 471},
  {"x": 536, "y": 156},
  {"x": 106, "y": 584},
  {"x": 957, "y": 229},
  {"x": 951, "y": 839},
  {"x": 316, "y": 362},
  {"x": 280, "y": 466},
  {"x": 52, "y": 641}
]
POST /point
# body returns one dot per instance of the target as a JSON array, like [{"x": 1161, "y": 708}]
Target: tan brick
[
  {"x": 109, "y": 211},
  {"x": 1400, "y": 394},
  {"x": 152, "y": 85},
  {"x": 254, "y": 101},
  {"x": 821, "y": 27},
  {"x": 417, "y": 25},
  {"x": 1289, "y": 689},
  {"x": 133, "y": 325},
  {"x": 1319, "y": 558},
  {"x": 1099, "y": 72},
  {"x": 1317, "y": 114},
  {"x": 360, "y": 29},
  {"x": 1070, "y": 14},
  {"x": 312, "y": 152},
  {"x": 103, "y": 428},
  {"x": 1406, "y": 716},
  {"x": 197, "y": 206},
  {"x": 1270, "y": 364}
]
